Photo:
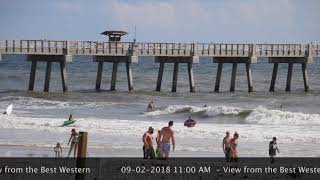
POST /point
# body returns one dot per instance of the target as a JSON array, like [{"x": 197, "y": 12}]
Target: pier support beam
[
  {"x": 289, "y": 77},
  {"x": 129, "y": 76},
  {"x": 274, "y": 77},
  {"x": 233, "y": 76},
  {"x": 32, "y": 75},
  {"x": 160, "y": 75},
  {"x": 218, "y": 78},
  {"x": 48, "y": 76},
  {"x": 114, "y": 76},
  {"x": 99, "y": 75},
  {"x": 191, "y": 78},
  {"x": 249, "y": 77},
  {"x": 63, "y": 76},
  {"x": 175, "y": 77},
  {"x": 305, "y": 77}
]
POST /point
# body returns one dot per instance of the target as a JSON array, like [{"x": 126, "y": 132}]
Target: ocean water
[{"x": 117, "y": 120}]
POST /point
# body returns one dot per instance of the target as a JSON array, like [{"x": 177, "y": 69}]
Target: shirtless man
[
  {"x": 148, "y": 150},
  {"x": 166, "y": 135},
  {"x": 151, "y": 106},
  {"x": 226, "y": 146}
]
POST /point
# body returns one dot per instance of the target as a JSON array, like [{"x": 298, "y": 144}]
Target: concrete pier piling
[
  {"x": 99, "y": 75},
  {"x": 114, "y": 76},
  {"x": 191, "y": 78},
  {"x": 160, "y": 74},
  {"x": 233, "y": 76},
  {"x": 63, "y": 72},
  {"x": 129, "y": 76},
  {"x": 249, "y": 77},
  {"x": 175, "y": 77},
  {"x": 289, "y": 77},
  {"x": 32, "y": 75},
  {"x": 218, "y": 77},
  {"x": 274, "y": 77},
  {"x": 189, "y": 60},
  {"x": 47, "y": 77},
  {"x": 305, "y": 77}
]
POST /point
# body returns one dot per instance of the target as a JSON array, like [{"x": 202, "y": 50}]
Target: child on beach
[
  {"x": 58, "y": 150},
  {"x": 273, "y": 148}
]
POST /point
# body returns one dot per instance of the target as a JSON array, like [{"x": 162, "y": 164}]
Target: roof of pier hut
[{"x": 114, "y": 35}]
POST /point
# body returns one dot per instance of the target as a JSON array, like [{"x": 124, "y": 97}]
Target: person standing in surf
[
  {"x": 273, "y": 148},
  {"x": 234, "y": 148},
  {"x": 158, "y": 152},
  {"x": 226, "y": 146},
  {"x": 74, "y": 139},
  {"x": 166, "y": 135},
  {"x": 151, "y": 106},
  {"x": 148, "y": 150},
  {"x": 58, "y": 150}
]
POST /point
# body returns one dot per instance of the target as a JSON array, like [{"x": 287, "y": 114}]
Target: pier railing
[{"x": 51, "y": 47}]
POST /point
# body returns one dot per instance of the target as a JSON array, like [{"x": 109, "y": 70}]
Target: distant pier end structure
[{"x": 118, "y": 52}]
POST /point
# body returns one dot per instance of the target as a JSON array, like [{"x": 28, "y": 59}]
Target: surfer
[
  {"x": 166, "y": 135},
  {"x": 234, "y": 147},
  {"x": 58, "y": 150},
  {"x": 151, "y": 106},
  {"x": 70, "y": 118},
  {"x": 226, "y": 146},
  {"x": 74, "y": 139},
  {"x": 273, "y": 148},
  {"x": 148, "y": 150}
]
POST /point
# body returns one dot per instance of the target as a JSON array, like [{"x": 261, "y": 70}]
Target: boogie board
[
  {"x": 9, "y": 109},
  {"x": 66, "y": 123}
]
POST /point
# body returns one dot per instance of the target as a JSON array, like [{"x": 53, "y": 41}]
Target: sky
[{"x": 228, "y": 21}]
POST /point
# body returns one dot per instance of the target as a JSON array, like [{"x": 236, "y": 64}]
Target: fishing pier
[{"x": 114, "y": 51}]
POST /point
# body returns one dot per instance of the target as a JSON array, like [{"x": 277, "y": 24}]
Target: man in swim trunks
[
  {"x": 148, "y": 150},
  {"x": 226, "y": 146},
  {"x": 151, "y": 106},
  {"x": 166, "y": 135}
]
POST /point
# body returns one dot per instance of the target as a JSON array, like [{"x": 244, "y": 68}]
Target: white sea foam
[
  {"x": 263, "y": 115},
  {"x": 205, "y": 111}
]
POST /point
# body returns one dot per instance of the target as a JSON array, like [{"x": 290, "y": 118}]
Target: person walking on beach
[
  {"x": 148, "y": 150},
  {"x": 273, "y": 148},
  {"x": 58, "y": 150},
  {"x": 74, "y": 139},
  {"x": 226, "y": 144},
  {"x": 234, "y": 147},
  {"x": 166, "y": 135},
  {"x": 151, "y": 106}
]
